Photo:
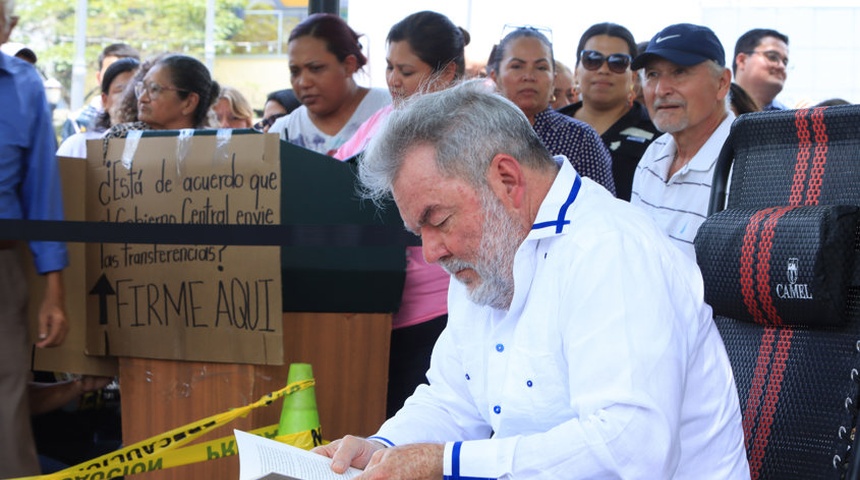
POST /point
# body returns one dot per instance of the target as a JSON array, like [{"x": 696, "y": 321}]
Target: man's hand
[
  {"x": 418, "y": 461},
  {"x": 53, "y": 324},
  {"x": 409, "y": 462},
  {"x": 348, "y": 452}
]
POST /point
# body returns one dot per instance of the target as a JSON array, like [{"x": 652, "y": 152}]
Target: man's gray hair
[
  {"x": 716, "y": 70},
  {"x": 467, "y": 125}
]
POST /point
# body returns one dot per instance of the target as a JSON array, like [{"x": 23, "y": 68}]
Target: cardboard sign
[
  {"x": 185, "y": 302},
  {"x": 71, "y": 355}
]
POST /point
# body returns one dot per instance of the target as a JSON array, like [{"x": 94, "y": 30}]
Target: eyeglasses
[
  {"x": 593, "y": 60},
  {"x": 545, "y": 31},
  {"x": 268, "y": 121},
  {"x": 772, "y": 56},
  {"x": 154, "y": 90}
]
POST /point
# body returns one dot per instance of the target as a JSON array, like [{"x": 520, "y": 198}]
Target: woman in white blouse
[{"x": 324, "y": 54}]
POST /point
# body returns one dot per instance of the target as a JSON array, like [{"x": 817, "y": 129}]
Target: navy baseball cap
[{"x": 683, "y": 44}]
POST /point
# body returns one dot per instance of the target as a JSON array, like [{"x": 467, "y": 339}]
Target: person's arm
[
  {"x": 47, "y": 397},
  {"x": 53, "y": 324},
  {"x": 411, "y": 444},
  {"x": 41, "y": 199}
]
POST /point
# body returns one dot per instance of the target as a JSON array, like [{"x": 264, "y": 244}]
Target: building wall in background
[{"x": 824, "y": 45}]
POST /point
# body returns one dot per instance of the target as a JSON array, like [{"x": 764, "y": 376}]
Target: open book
[{"x": 259, "y": 456}]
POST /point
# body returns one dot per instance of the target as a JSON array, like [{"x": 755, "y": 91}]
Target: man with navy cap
[{"x": 685, "y": 83}]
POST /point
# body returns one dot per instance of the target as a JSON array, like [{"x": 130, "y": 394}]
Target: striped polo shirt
[{"x": 679, "y": 204}]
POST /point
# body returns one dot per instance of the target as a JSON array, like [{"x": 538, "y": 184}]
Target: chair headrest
[{"x": 780, "y": 265}]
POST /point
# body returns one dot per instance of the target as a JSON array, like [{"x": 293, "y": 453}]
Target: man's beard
[
  {"x": 501, "y": 236},
  {"x": 676, "y": 125}
]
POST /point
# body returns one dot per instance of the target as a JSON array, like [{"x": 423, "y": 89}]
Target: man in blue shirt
[{"x": 29, "y": 189}]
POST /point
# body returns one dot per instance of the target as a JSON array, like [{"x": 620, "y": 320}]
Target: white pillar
[
  {"x": 209, "y": 46},
  {"x": 79, "y": 64}
]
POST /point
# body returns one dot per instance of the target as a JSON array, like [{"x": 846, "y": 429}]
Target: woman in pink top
[{"x": 425, "y": 54}]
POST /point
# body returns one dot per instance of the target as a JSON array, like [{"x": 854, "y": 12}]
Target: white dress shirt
[{"x": 607, "y": 364}]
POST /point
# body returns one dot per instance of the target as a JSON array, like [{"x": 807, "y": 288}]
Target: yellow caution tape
[{"x": 162, "y": 451}]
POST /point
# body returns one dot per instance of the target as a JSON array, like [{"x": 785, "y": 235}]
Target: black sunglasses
[
  {"x": 593, "y": 60},
  {"x": 268, "y": 121}
]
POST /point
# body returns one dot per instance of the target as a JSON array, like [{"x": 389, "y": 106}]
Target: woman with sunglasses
[
  {"x": 606, "y": 84},
  {"x": 324, "y": 54},
  {"x": 523, "y": 67},
  {"x": 176, "y": 92},
  {"x": 425, "y": 54},
  {"x": 278, "y": 104}
]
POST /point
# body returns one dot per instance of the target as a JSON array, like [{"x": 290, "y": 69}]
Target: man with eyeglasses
[
  {"x": 685, "y": 83},
  {"x": 29, "y": 189},
  {"x": 761, "y": 66}
]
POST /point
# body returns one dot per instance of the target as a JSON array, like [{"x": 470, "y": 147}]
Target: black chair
[{"x": 779, "y": 268}]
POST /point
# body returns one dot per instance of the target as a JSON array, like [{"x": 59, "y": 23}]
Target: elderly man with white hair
[
  {"x": 685, "y": 83},
  {"x": 578, "y": 343}
]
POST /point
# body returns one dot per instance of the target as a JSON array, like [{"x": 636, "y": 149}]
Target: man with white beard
[
  {"x": 578, "y": 344},
  {"x": 685, "y": 83}
]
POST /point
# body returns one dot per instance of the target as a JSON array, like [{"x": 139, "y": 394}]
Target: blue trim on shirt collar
[{"x": 562, "y": 212}]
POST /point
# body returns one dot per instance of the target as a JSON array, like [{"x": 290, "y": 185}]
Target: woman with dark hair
[
  {"x": 278, "y": 104},
  {"x": 523, "y": 67},
  {"x": 425, "y": 53},
  {"x": 175, "y": 93},
  {"x": 114, "y": 81},
  {"x": 324, "y": 55},
  {"x": 607, "y": 99}
]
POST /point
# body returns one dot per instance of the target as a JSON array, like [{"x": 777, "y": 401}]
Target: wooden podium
[
  {"x": 349, "y": 356},
  {"x": 349, "y": 270}
]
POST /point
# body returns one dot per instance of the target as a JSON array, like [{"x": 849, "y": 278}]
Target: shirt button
[
  {"x": 529, "y": 384},
  {"x": 497, "y": 409},
  {"x": 468, "y": 377},
  {"x": 500, "y": 347}
]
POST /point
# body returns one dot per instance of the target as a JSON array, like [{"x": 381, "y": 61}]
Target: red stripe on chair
[
  {"x": 764, "y": 391},
  {"x": 748, "y": 249},
  {"x": 753, "y": 406},
  {"x": 819, "y": 160},
  {"x": 804, "y": 145},
  {"x": 771, "y": 398},
  {"x": 765, "y": 296}
]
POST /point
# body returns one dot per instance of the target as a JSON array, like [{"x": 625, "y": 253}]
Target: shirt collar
[
  {"x": 553, "y": 217},
  {"x": 702, "y": 160}
]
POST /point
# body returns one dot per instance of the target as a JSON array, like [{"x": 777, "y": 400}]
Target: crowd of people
[{"x": 557, "y": 208}]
